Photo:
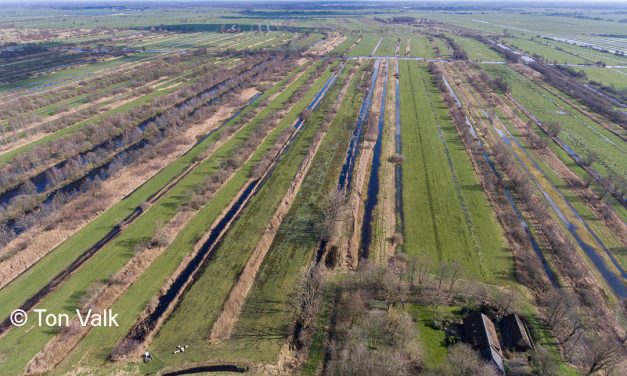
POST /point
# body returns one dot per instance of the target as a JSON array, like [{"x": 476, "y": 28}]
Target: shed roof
[
  {"x": 480, "y": 331},
  {"x": 514, "y": 330}
]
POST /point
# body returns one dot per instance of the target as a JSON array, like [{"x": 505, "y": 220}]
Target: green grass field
[
  {"x": 432, "y": 340},
  {"x": 421, "y": 47},
  {"x": 366, "y": 45},
  {"x": 578, "y": 132},
  {"x": 476, "y": 50},
  {"x": 387, "y": 47},
  {"x": 344, "y": 46},
  {"x": 608, "y": 76},
  {"x": 549, "y": 54},
  {"x": 447, "y": 216}
]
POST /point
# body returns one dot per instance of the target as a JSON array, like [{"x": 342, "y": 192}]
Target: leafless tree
[
  {"x": 454, "y": 273},
  {"x": 462, "y": 360},
  {"x": 332, "y": 208},
  {"x": 603, "y": 355},
  {"x": 419, "y": 268},
  {"x": 396, "y": 159},
  {"x": 557, "y": 303},
  {"x": 307, "y": 296},
  {"x": 6, "y": 234},
  {"x": 543, "y": 364},
  {"x": 397, "y": 239},
  {"x": 553, "y": 128}
]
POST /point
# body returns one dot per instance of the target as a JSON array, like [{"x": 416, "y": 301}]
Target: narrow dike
[
  {"x": 346, "y": 174},
  {"x": 373, "y": 181},
  {"x": 349, "y": 247},
  {"x": 114, "y": 232},
  {"x": 376, "y": 47},
  {"x": 398, "y": 171},
  {"x": 145, "y": 328}
]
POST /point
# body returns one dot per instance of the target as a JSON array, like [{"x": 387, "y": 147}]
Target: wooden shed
[
  {"x": 480, "y": 333},
  {"x": 515, "y": 333}
]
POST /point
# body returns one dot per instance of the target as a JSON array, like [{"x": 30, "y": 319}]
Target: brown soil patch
[
  {"x": 527, "y": 71},
  {"x": 407, "y": 47},
  {"x": 327, "y": 45}
]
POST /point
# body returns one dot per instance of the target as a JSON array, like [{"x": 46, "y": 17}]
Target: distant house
[
  {"x": 515, "y": 333},
  {"x": 480, "y": 333}
]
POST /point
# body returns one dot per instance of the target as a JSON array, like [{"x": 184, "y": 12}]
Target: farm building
[
  {"x": 480, "y": 333},
  {"x": 515, "y": 333}
]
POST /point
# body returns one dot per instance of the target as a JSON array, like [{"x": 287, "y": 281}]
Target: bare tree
[
  {"x": 307, "y": 296},
  {"x": 419, "y": 268},
  {"x": 462, "y": 360},
  {"x": 604, "y": 355},
  {"x": 557, "y": 303},
  {"x": 6, "y": 234},
  {"x": 455, "y": 271},
  {"x": 396, "y": 158},
  {"x": 553, "y": 128},
  {"x": 543, "y": 364},
  {"x": 332, "y": 208}
]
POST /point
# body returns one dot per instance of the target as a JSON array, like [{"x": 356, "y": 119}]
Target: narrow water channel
[
  {"x": 346, "y": 174},
  {"x": 373, "y": 181}
]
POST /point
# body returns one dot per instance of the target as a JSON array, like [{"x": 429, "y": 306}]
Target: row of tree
[
  {"x": 30, "y": 211},
  {"x": 159, "y": 112}
]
